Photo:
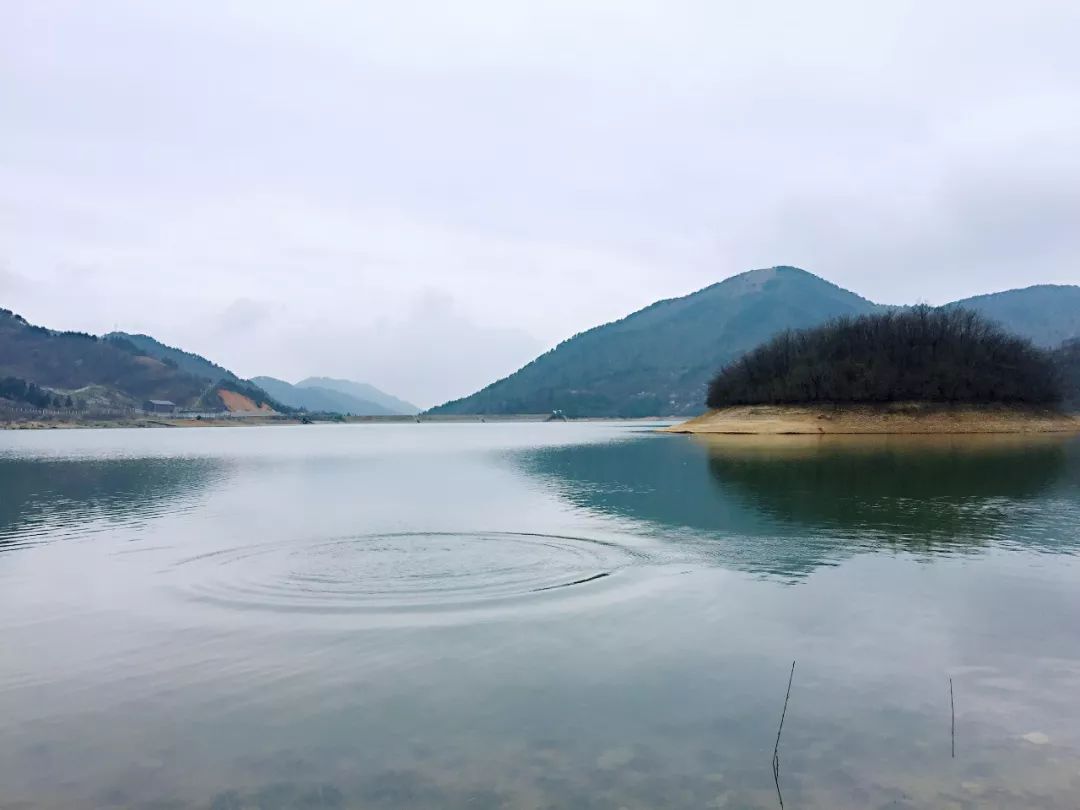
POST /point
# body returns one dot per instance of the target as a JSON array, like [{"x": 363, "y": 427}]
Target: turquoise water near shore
[{"x": 583, "y": 615}]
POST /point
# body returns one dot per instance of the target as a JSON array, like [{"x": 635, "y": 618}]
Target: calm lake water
[{"x": 536, "y": 616}]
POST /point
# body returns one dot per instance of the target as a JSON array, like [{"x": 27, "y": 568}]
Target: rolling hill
[
  {"x": 40, "y": 366},
  {"x": 227, "y": 390},
  {"x": 1047, "y": 314},
  {"x": 660, "y": 359},
  {"x": 107, "y": 371}
]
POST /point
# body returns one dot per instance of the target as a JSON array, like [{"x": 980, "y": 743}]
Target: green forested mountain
[
  {"x": 198, "y": 366},
  {"x": 194, "y": 364},
  {"x": 39, "y": 367},
  {"x": 1067, "y": 359},
  {"x": 73, "y": 361},
  {"x": 318, "y": 399},
  {"x": 42, "y": 367},
  {"x": 660, "y": 359},
  {"x": 1047, "y": 314}
]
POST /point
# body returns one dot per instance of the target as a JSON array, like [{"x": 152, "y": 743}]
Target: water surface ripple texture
[
  {"x": 408, "y": 572},
  {"x": 536, "y": 616}
]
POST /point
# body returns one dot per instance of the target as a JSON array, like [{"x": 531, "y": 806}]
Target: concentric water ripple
[{"x": 413, "y": 572}]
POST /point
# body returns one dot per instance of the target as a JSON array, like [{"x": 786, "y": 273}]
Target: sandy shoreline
[
  {"x": 907, "y": 418},
  {"x": 755, "y": 420}
]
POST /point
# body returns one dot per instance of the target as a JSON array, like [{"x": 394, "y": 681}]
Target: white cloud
[{"x": 499, "y": 175}]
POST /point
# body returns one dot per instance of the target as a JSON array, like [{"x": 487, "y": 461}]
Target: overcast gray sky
[{"x": 424, "y": 195}]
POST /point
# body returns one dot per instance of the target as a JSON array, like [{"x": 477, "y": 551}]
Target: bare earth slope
[{"x": 899, "y": 418}]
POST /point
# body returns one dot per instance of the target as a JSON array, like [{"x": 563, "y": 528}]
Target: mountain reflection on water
[
  {"x": 785, "y": 505},
  {"x": 421, "y": 617},
  {"x": 49, "y": 500}
]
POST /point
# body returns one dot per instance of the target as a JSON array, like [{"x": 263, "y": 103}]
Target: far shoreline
[
  {"x": 280, "y": 420},
  {"x": 912, "y": 418}
]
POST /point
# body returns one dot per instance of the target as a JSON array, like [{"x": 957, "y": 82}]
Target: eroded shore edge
[{"x": 907, "y": 418}]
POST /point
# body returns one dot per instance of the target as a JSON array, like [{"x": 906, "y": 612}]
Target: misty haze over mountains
[
  {"x": 656, "y": 361},
  {"x": 335, "y": 396},
  {"x": 40, "y": 367}
]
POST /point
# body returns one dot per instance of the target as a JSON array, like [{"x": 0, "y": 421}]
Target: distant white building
[{"x": 159, "y": 406}]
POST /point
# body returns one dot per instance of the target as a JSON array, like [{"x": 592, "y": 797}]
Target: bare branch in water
[
  {"x": 952, "y": 712},
  {"x": 779, "y": 731}
]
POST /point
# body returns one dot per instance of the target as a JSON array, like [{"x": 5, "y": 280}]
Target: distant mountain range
[
  {"x": 315, "y": 394},
  {"x": 45, "y": 368},
  {"x": 659, "y": 360},
  {"x": 656, "y": 361},
  {"x": 335, "y": 396}
]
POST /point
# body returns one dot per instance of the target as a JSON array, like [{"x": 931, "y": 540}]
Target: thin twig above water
[{"x": 779, "y": 731}]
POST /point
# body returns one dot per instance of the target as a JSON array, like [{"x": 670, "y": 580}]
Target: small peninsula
[{"x": 916, "y": 370}]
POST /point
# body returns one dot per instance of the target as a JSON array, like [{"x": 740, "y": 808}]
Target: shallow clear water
[{"x": 535, "y": 616}]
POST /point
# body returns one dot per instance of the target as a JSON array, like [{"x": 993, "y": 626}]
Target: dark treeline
[
  {"x": 1067, "y": 358},
  {"x": 126, "y": 345},
  {"x": 19, "y": 390},
  {"x": 917, "y": 354},
  {"x": 122, "y": 343}
]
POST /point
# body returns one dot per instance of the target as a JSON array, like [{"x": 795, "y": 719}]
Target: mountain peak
[
  {"x": 780, "y": 273},
  {"x": 659, "y": 359},
  {"x": 775, "y": 270},
  {"x": 762, "y": 278}
]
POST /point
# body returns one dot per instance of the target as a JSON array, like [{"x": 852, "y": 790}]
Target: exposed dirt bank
[
  {"x": 238, "y": 403},
  {"x": 912, "y": 418}
]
